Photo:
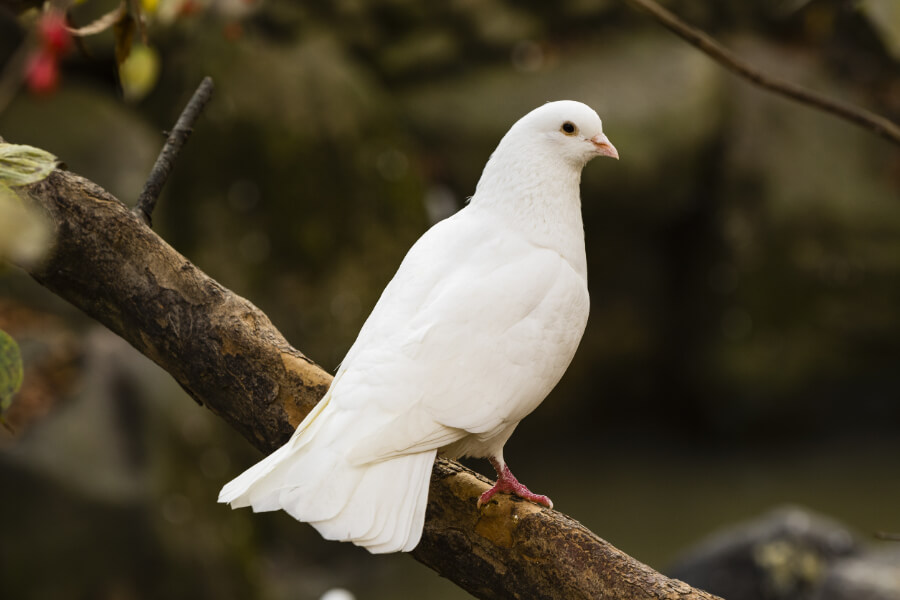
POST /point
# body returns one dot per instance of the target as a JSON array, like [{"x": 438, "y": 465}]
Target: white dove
[{"x": 478, "y": 325}]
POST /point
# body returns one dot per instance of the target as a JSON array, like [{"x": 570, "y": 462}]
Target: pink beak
[{"x": 604, "y": 147}]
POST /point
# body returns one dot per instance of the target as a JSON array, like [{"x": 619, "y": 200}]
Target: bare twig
[
  {"x": 877, "y": 124},
  {"x": 885, "y": 535},
  {"x": 167, "y": 156}
]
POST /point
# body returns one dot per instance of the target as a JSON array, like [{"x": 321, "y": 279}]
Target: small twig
[
  {"x": 884, "y": 535},
  {"x": 13, "y": 72},
  {"x": 167, "y": 156},
  {"x": 864, "y": 118},
  {"x": 102, "y": 23}
]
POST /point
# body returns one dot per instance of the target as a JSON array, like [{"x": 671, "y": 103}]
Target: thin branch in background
[
  {"x": 884, "y": 535},
  {"x": 13, "y": 72},
  {"x": 167, "y": 156},
  {"x": 877, "y": 124}
]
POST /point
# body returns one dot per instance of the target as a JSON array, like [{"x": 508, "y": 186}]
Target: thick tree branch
[
  {"x": 859, "y": 116},
  {"x": 227, "y": 354}
]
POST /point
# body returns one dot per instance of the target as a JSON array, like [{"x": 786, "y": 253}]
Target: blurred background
[{"x": 743, "y": 349}]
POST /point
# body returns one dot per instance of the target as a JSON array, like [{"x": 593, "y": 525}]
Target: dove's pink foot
[{"x": 508, "y": 484}]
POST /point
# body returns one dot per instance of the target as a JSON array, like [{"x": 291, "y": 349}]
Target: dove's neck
[{"x": 538, "y": 198}]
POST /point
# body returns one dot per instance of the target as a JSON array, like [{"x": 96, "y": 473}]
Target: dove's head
[
  {"x": 544, "y": 152},
  {"x": 567, "y": 129}
]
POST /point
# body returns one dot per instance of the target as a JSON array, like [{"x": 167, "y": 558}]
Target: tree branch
[
  {"x": 169, "y": 153},
  {"x": 879, "y": 125},
  {"x": 227, "y": 355}
]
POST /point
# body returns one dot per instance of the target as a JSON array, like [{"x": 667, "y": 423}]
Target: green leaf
[
  {"x": 22, "y": 165},
  {"x": 11, "y": 370},
  {"x": 139, "y": 73}
]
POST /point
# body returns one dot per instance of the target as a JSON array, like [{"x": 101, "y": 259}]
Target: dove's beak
[{"x": 604, "y": 147}]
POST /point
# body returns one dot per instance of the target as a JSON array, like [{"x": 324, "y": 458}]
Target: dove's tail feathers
[
  {"x": 236, "y": 491},
  {"x": 385, "y": 510},
  {"x": 380, "y": 506}
]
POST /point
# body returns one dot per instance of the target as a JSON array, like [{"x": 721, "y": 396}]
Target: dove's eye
[{"x": 568, "y": 128}]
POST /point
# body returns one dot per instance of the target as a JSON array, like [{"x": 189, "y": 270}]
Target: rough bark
[{"x": 228, "y": 356}]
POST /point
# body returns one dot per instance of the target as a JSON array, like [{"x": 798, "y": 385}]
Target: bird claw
[{"x": 507, "y": 484}]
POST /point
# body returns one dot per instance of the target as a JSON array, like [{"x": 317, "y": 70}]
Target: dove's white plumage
[{"x": 478, "y": 325}]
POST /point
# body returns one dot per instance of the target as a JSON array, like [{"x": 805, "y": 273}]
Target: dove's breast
[
  {"x": 477, "y": 327},
  {"x": 521, "y": 367}
]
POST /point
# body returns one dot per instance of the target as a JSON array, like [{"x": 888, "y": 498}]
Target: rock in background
[{"x": 791, "y": 554}]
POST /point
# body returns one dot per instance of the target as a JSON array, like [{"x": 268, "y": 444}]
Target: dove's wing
[{"x": 474, "y": 330}]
